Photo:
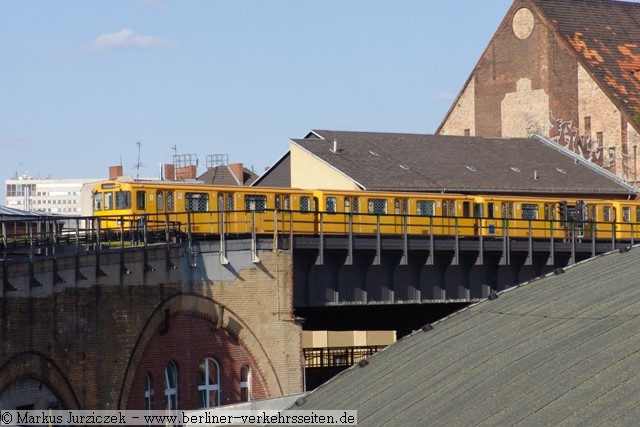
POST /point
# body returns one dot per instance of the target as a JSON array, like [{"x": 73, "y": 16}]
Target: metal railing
[
  {"x": 333, "y": 357},
  {"x": 42, "y": 235}
]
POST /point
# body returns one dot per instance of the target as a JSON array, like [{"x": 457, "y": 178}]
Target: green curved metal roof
[{"x": 560, "y": 350}]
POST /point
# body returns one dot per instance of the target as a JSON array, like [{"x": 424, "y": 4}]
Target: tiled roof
[
  {"x": 412, "y": 162},
  {"x": 279, "y": 175},
  {"x": 606, "y": 37},
  {"x": 561, "y": 350},
  {"x": 221, "y": 175}
]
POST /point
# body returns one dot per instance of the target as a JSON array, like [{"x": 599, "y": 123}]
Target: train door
[
  {"x": 226, "y": 216},
  {"x": 449, "y": 216},
  {"x": 507, "y": 216},
  {"x": 351, "y": 209},
  {"x": 401, "y": 210},
  {"x": 283, "y": 212},
  {"x": 478, "y": 218}
]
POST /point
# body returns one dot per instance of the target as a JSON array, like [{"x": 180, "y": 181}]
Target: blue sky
[{"x": 81, "y": 82}]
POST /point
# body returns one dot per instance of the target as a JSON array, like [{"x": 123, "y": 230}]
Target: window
[
  {"x": 171, "y": 386},
  {"x": 197, "y": 202},
  {"x": 448, "y": 208},
  {"x": 425, "y": 207},
  {"x": 123, "y": 199},
  {"x": 209, "y": 383},
  {"x": 626, "y": 214},
  {"x": 377, "y": 206},
  {"x": 255, "y": 202},
  {"x": 225, "y": 198},
  {"x": 148, "y": 393},
  {"x": 606, "y": 213},
  {"x": 587, "y": 125},
  {"x": 245, "y": 384},
  {"x": 305, "y": 204},
  {"x": 159, "y": 201},
  {"x": 97, "y": 202},
  {"x": 141, "y": 200},
  {"x": 529, "y": 211},
  {"x": 401, "y": 206},
  {"x": 507, "y": 210},
  {"x": 332, "y": 204},
  {"x": 108, "y": 200},
  {"x": 170, "y": 201}
]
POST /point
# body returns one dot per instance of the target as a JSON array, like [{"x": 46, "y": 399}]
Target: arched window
[
  {"x": 171, "y": 386},
  {"x": 209, "y": 383},
  {"x": 148, "y": 392},
  {"x": 245, "y": 383}
]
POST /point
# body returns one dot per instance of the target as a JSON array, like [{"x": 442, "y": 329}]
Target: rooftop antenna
[
  {"x": 138, "y": 165},
  {"x": 175, "y": 155}
]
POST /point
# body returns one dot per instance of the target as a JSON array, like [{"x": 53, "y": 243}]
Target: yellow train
[{"x": 202, "y": 209}]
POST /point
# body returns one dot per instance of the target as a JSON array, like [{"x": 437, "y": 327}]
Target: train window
[
  {"x": 97, "y": 202},
  {"x": 546, "y": 211},
  {"x": 278, "y": 202},
  {"x": 606, "y": 213},
  {"x": 637, "y": 214},
  {"x": 332, "y": 204},
  {"x": 123, "y": 199},
  {"x": 230, "y": 204},
  {"x": 377, "y": 206},
  {"x": 141, "y": 200},
  {"x": 425, "y": 207},
  {"x": 197, "y": 202},
  {"x": 626, "y": 214},
  {"x": 108, "y": 200},
  {"x": 529, "y": 211},
  {"x": 170, "y": 201},
  {"x": 220, "y": 202},
  {"x": 286, "y": 202},
  {"x": 255, "y": 202},
  {"x": 305, "y": 204},
  {"x": 160, "y": 201},
  {"x": 355, "y": 205},
  {"x": 490, "y": 208}
]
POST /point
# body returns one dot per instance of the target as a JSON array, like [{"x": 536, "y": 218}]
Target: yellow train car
[
  {"x": 202, "y": 209},
  {"x": 370, "y": 212},
  {"x": 211, "y": 210}
]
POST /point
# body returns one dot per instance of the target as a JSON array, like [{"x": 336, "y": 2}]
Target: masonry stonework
[
  {"x": 91, "y": 338},
  {"x": 529, "y": 81}
]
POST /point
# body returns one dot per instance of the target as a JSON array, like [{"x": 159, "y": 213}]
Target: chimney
[
  {"x": 115, "y": 172},
  {"x": 237, "y": 170},
  {"x": 186, "y": 172},
  {"x": 169, "y": 172}
]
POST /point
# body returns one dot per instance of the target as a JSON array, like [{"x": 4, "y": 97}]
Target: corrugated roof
[
  {"x": 561, "y": 350},
  {"x": 606, "y": 38},
  {"x": 413, "y": 162}
]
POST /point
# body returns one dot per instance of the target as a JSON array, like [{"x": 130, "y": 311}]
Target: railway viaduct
[{"x": 133, "y": 326}]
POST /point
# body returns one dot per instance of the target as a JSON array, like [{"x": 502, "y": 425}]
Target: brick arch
[
  {"x": 219, "y": 316},
  {"x": 41, "y": 368}
]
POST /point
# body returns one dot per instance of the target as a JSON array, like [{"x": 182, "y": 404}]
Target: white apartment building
[{"x": 54, "y": 196}]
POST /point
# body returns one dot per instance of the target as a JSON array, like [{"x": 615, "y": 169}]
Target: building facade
[
  {"x": 46, "y": 195},
  {"x": 565, "y": 69}
]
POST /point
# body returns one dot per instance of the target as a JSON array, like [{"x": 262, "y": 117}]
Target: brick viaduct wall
[{"x": 93, "y": 337}]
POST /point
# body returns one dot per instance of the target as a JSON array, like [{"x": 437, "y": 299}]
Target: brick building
[{"x": 566, "y": 69}]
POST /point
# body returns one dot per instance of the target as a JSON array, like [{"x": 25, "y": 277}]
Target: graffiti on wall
[{"x": 564, "y": 133}]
